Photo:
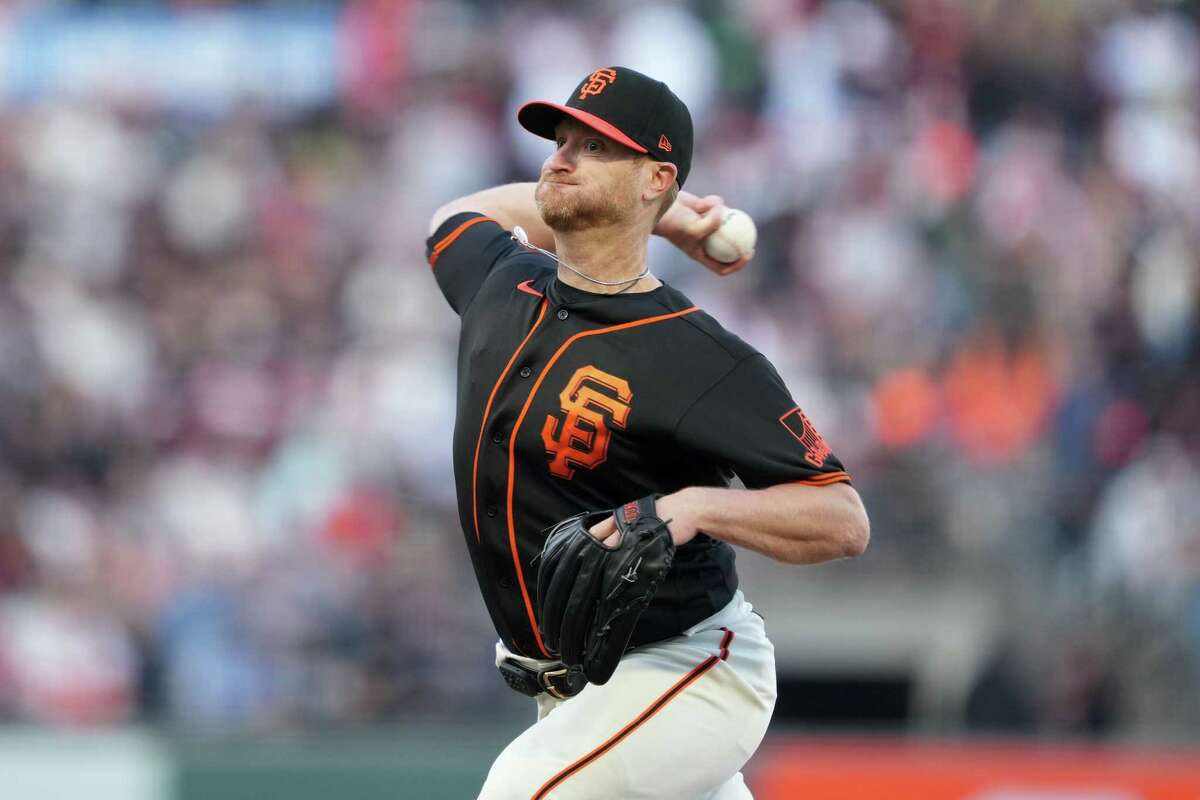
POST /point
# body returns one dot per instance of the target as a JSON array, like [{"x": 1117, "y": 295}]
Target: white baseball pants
[{"x": 677, "y": 721}]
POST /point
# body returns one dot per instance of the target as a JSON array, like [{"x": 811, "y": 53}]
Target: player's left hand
[
  {"x": 671, "y": 507},
  {"x": 689, "y": 221},
  {"x": 589, "y": 597}
]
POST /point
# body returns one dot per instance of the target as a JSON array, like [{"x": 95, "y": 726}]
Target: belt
[{"x": 557, "y": 680}]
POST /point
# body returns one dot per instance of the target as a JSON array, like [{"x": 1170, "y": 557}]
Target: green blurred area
[
  {"x": 432, "y": 762},
  {"x": 419, "y": 760}
]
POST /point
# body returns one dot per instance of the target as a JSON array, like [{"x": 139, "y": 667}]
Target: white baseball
[{"x": 735, "y": 238}]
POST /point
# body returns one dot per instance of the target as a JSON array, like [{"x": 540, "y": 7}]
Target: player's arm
[
  {"x": 792, "y": 523},
  {"x": 510, "y": 205},
  {"x": 799, "y": 506},
  {"x": 686, "y": 224}
]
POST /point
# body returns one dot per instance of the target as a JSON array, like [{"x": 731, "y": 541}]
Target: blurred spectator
[{"x": 226, "y": 376}]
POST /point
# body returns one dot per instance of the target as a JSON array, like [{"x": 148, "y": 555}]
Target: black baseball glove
[{"x": 590, "y": 595}]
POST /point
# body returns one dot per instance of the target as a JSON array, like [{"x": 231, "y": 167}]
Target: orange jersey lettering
[{"x": 816, "y": 451}]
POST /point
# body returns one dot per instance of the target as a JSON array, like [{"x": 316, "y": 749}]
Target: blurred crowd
[{"x": 227, "y": 376}]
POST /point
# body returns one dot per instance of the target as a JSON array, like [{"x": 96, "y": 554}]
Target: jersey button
[
  {"x": 492, "y": 511},
  {"x": 526, "y": 372},
  {"x": 506, "y": 582},
  {"x": 562, "y": 313},
  {"x": 497, "y": 437}
]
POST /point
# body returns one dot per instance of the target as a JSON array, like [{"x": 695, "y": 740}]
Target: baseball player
[{"x": 584, "y": 383}]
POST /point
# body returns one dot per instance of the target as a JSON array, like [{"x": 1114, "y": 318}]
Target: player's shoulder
[
  {"x": 708, "y": 336},
  {"x": 464, "y": 235},
  {"x": 470, "y": 252}
]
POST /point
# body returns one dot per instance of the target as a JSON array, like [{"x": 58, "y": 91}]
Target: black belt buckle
[{"x": 558, "y": 680}]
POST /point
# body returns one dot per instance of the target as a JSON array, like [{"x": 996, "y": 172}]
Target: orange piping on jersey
[
  {"x": 450, "y": 237},
  {"x": 487, "y": 409},
  {"x": 826, "y": 479},
  {"x": 512, "y": 439},
  {"x": 641, "y": 719}
]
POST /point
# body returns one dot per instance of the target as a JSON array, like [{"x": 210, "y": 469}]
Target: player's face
[{"x": 589, "y": 181}]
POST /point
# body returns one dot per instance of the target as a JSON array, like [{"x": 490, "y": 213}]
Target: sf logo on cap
[{"x": 598, "y": 81}]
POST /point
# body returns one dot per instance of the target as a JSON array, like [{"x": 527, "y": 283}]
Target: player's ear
[{"x": 662, "y": 178}]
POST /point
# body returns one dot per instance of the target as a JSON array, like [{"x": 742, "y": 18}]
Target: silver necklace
[{"x": 522, "y": 238}]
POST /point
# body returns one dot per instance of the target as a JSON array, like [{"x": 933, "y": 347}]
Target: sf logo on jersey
[{"x": 591, "y": 401}]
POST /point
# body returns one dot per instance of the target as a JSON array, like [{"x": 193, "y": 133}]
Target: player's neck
[{"x": 607, "y": 254}]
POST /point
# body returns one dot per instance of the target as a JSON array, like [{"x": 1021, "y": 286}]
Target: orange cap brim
[{"x": 539, "y": 118}]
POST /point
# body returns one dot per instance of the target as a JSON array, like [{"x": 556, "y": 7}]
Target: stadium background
[{"x": 230, "y": 564}]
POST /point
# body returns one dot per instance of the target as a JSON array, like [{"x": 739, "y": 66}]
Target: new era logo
[{"x": 664, "y": 143}]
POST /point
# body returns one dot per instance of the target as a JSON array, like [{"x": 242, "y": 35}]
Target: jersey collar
[{"x": 570, "y": 296}]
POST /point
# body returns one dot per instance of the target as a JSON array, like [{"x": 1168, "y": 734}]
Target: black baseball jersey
[{"x": 571, "y": 401}]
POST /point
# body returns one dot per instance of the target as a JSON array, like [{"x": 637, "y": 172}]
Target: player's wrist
[
  {"x": 677, "y": 223},
  {"x": 680, "y": 509},
  {"x": 670, "y": 225}
]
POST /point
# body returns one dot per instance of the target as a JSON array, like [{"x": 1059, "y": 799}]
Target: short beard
[{"x": 580, "y": 210}]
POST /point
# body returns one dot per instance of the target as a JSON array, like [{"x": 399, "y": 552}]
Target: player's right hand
[{"x": 689, "y": 221}]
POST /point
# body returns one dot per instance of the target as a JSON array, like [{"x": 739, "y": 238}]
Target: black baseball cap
[{"x": 623, "y": 104}]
